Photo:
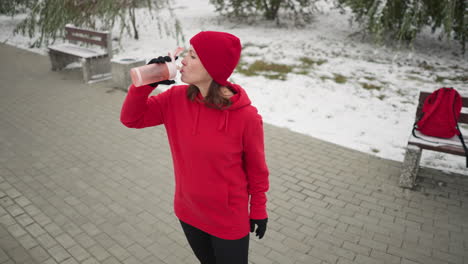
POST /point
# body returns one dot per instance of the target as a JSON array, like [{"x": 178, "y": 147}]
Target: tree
[
  {"x": 402, "y": 20},
  {"x": 300, "y": 9},
  {"x": 50, "y": 16},
  {"x": 13, "y": 7}
]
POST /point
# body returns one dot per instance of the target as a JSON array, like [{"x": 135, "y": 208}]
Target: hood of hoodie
[{"x": 239, "y": 100}]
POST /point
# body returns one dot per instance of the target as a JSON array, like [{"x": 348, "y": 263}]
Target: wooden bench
[
  {"x": 415, "y": 146},
  {"x": 95, "y": 60}
]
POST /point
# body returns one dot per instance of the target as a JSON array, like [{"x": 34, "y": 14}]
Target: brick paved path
[{"x": 76, "y": 186}]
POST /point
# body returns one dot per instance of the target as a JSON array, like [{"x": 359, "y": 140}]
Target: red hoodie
[{"x": 218, "y": 156}]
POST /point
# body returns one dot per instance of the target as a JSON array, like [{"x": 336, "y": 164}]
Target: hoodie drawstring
[
  {"x": 195, "y": 124},
  {"x": 239, "y": 100},
  {"x": 224, "y": 121}
]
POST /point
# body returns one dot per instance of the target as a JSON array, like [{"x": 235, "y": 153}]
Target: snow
[{"x": 375, "y": 121}]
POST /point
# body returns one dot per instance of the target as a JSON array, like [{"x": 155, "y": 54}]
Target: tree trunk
[
  {"x": 131, "y": 11},
  {"x": 464, "y": 24},
  {"x": 271, "y": 9}
]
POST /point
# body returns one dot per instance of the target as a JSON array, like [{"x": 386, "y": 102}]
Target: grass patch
[
  {"x": 426, "y": 66},
  {"x": 306, "y": 64},
  {"x": 375, "y": 60},
  {"x": 340, "y": 78},
  {"x": 370, "y": 78},
  {"x": 415, "y": 78},
  {"x": 302, "y": 72},
  {"x": 250, "y": 54},
  {"x": 461, "y": 78},
  {"x": 250, "y": 44},
  {"x": 414, "y": 72},
  {"x": 407, "y": 102},
  {"x": 369, "y": 86},
  {"x": 269, "y": 70},
  {"x": 306, "y": 61},
  {"x": 274, "y": 67},
  {"x": 401, "y": 92}
]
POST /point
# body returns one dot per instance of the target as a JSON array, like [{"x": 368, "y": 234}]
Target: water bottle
[{"x": 155, "y": 72}]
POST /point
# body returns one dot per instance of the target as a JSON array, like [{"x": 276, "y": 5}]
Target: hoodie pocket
[{"x": 205, "y": 197}]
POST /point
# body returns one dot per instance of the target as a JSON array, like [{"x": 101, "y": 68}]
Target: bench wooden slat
[
  {"x": 102, "y": 43},
  {"x": 448, "y": 145},
  {"x": 463, "y": 118},
  {"x": 77, "y": 50},
  {"x": 86, "y": 35},
  {"x": 421, "y": 138},
  {"x": 424, "y": 95},
  {"x": 100, "y": 34},
  {"x": 446, "y": 148}
]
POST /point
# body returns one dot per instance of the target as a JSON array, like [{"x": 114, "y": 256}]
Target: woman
[{"x": 216, "y": 140}]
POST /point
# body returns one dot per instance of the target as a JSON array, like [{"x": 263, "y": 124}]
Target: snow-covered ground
[{"x": 376, "y": 120}]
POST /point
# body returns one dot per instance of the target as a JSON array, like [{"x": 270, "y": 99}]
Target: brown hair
[{"x": 213, "y": 99}]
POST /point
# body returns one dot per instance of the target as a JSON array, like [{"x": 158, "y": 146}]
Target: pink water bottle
[{"x": 155, "y": 72}]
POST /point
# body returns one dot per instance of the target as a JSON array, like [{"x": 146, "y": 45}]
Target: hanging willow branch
[
  {"x": 402, "y": 20},
  {"x": 48, "y": 17},
  {"x": 270, "y": 9}
]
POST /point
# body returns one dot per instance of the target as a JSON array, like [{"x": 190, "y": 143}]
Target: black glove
[
  {"x": 161, "y": 59},
  {"x": 261, "y": 226}
]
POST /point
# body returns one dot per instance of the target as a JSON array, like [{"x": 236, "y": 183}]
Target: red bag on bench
[{"x": 441, "y": 111}]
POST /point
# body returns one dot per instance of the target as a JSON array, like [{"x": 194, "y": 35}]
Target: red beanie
[{"x": 219, "y": 53}]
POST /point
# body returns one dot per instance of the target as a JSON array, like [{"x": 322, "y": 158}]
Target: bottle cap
[{"x": 172, "y": 67}]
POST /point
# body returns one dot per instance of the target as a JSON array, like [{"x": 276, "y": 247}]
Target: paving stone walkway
[{"x": 76, "y": 186}]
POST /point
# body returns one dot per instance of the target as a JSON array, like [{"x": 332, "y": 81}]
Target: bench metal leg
[
  {"x": 96, "y": 66},
  {"x": 410, "y": 167},
  {"x": 59, "y": 60},
  {"x": 86, "y": 64},
  {"x": 102, "y": 65}
]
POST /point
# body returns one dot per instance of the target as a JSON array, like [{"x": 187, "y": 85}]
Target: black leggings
[{"x": 213, "y": 250}]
